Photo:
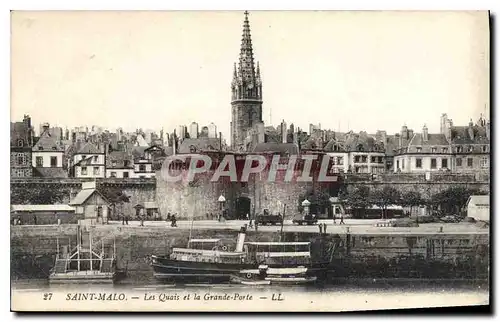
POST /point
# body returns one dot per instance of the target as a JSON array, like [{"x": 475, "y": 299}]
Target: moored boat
[
  {"x": 207, "y": 260},
  {"x": 269, "y": 275}
]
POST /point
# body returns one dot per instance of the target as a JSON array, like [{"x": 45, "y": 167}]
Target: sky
[{"x": 159, "y": 69}]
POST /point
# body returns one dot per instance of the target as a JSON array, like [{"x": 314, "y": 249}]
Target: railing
[
  {"x": 81, "y": 180},
  {"x": 416, "y": 177}
]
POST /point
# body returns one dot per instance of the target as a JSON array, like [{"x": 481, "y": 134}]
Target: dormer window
[
  {"x": 445, "y": 150},
  {"x": 433, "y": 150},
  {"x": 20, "y": 143},
  {"x": 40, "y": 148},
  {"x": 485, "y": 148},
  {"x": 419, "y": 149},
  {"x": 459, "y": 149},
  {"x": 54, "y": 148},
  {"x": 471, "y": 148}
]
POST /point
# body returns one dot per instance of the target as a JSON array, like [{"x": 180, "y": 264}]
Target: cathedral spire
[
  {"x": 246, "y": 90},
  {"x": 246, "y": 66}
]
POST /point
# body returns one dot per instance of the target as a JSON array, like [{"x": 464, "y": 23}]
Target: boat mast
[
  {"x": 90, "y": 246},
  {"x": 282, "y": 222},
  {"x": 192, "y": 222},
  {"x": 78, "y": 245}
]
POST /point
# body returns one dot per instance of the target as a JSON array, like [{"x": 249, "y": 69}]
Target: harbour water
[{"x": 340, "y": 295}]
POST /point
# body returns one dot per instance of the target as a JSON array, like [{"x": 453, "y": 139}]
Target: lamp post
[
  {"x": 306, "y": 203},
  {"x": 221, "y": 201}
]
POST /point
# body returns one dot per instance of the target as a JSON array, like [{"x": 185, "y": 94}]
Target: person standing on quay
[{"x": 342, "y": 219}]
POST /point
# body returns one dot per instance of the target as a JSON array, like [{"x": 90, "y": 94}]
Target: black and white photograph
[{"x": 249, "y": 161}]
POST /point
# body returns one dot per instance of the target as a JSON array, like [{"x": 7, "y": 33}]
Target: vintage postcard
[{"x": 249, "y": 160}]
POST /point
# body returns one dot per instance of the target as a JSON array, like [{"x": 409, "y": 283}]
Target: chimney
[
  {"x": 45, "y": 128},
  {"x": 283, "y": 131},
  {"x": 404, "y": 132},
  {"x": 444, "y": 119},
  {"x": 447, "y": 133},
  {"x": 488, "y": 129},
  {"x": 220, "y": 141},
  {"x": 471, "y": 130},
  {"x": 425, "y": 134}
]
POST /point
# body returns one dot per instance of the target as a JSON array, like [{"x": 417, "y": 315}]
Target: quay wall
[{"x": 33, "y": 249}]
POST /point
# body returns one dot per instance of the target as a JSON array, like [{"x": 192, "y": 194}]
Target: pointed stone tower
[{"x": 246, "y": 89}]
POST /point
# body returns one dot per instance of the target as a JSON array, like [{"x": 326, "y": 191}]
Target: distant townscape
[{"x": 459, "y": 154}]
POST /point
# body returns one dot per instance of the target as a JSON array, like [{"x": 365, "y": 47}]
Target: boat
[
  {"x": 270, "y": 275},
  {"x": 207, "y": 260},
  {"x": 87, "y": 262}
]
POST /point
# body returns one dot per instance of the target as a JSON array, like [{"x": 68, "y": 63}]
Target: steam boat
[{"x": 208, "y": 260}]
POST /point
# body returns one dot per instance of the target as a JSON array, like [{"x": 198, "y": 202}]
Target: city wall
[{"x": 200, "y": 197}]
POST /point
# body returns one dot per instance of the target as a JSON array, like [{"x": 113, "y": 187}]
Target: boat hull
[{"x": 168, "y": 269}]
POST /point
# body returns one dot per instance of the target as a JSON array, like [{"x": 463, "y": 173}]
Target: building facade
[
  {"x": 47, "y": 151},
  {"x": 90, "y": 162},
  {"x": 456, "y": 149},
  {"x": 21, "y": 142}
]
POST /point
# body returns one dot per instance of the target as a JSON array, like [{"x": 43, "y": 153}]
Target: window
[
  {"x": 39, "y": 161},
  {"x": 445, "y": 150},
  {"x": 459, "y": 162},
  {"x": 433, "y": 163},
  {"x": 471, "y": 148},
  {"x": 397, "y": 164},
  {"x": 20, "y": 143},
  {"x": 84, "y": 171},
  {"x": 403, "y": 164},
  {"x": 444, "y": 163},
  {"x": 20, "y": 159},
  {"x": 340, "y": 160},
  {"x": 113, "y": 174},
  {"x": 126, "y": 163},
  {"x": 53, "y": 162},
  {"x": 96, "y": 170},
  {"x": 96, "y": 157},
  {"x": 83, "y": 156},
  {"x": 433, "y": 150},
  {"x": 469, "y": 162},
  {"x": 484, "y": 162},
  {"x": 459, "y": 149},
  {"x": 419, "y": 149},
  {"x": 113, "y": 163},
  {"x": 418, "y": 163},
  {"x": 142, "y": 177},
  {"x": 356, "y": 158},
  {"x": 485, "y": 148},
  {"x": 363, "y": 158},
  {"x": 142, "y": 167},
  {"x": 373, "y": 159},
  {"x": 125, "y": 174}
]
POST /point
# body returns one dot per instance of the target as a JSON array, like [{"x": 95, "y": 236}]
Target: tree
[
  {"x": 411, "y": 198},
  {"x": 385, "y": 197},
  {"x": 357, "y": 200},
  {"x": 38, "y": 194},
  {"x": 453, "y": 199}
]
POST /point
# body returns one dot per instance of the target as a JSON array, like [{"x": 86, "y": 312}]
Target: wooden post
[{"x": 57, "y": 254}]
